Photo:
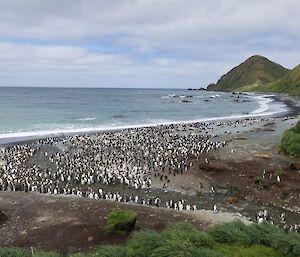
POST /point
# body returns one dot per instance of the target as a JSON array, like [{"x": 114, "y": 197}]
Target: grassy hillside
[
  {"x": 289, "y": 84},
  {"x": 254, "y": 72},
  {"x": 233, "y": 239}
]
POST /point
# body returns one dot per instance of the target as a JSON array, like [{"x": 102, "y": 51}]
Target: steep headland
[{"x": 255, "y": 71}]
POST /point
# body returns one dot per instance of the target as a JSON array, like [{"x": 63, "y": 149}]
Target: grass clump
[
  {"x": 177, "y": 240},
  {"x": 13, "y": 252},
  {"x": 290, "y": 141},
  {"x": 174, "y": 249},
  {"x": 262, "y": 233},
  {"x": 110, "y": 251},
  {"x": 186, "y": 232},
  {"x": 249, "y": 251},
  {"x": 120, "y": 222},
  {"x": 287, "y": 244},
  {"x": 232, "y": 232},
  {"x": 184, "y": 249},
  {"x": 258, "y": 180},
  {"x": 143, "y": 243},
  {"x": 267, "y": 235},
  {"x": 204, "y": 252},
  {"x": 46, "y": 254}
]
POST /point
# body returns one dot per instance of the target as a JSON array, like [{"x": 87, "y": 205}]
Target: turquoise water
[{"x": 41, "y": 111}]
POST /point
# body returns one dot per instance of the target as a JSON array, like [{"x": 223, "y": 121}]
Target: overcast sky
[{"x": 141, "y": 43}]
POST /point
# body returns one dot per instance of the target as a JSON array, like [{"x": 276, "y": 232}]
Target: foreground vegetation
[
  {"x": 120, "y": 222},
  {"x": 233, "y": 239},
  {"x": 290, "y": 142}
]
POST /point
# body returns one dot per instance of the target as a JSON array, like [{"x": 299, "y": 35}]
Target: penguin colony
[{"x": 131, "y": 158}]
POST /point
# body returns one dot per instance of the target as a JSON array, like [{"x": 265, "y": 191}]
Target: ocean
[{"x": 36, "y": 112}]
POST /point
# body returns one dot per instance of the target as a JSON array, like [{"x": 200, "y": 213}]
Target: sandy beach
[{"x": 223, "y": 176}]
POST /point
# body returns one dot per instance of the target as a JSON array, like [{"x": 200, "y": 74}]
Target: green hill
[
  {"x": 254, "y": 72},
  {"x": 290, "y": 84}
]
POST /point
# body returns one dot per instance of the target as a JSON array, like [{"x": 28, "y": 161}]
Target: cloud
[
  {"x": 28, "y": 65},
  {"x": 171, "y": 43}
]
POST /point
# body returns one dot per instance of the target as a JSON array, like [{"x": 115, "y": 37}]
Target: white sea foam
[
  {"x": 264, "y": 102},
  {"x": 267, "y": 105},
  {"x": 86, "y": 119},
  {"x": 207, "y": 96}
]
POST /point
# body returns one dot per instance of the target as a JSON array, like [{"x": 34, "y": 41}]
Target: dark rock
[
  {"x": 3, "y": 218},
  {"x": 295, "y": 165}
]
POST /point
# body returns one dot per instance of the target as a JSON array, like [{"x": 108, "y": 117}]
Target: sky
[{"x": 140, "y": 43}]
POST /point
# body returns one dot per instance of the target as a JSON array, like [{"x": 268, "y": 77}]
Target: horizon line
[{"x": 79, "y": 87}]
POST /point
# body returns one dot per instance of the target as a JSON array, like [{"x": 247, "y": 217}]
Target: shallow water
[{"x": 44, "y": 111}]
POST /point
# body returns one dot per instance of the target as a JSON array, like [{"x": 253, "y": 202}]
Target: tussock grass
[
  {"x": 249, "y": 251},
  {"x": 290, "y": 141},
  {"x": 120, "y": 221},
  {"x": 13, "y": 252},
  {"x": 46, "y": 254},
  {"x": 241, "y": 235},
  {"x": 232, "y": 232},
  {"x": 234, "y": 239},
  {"x": 143, "y": 243},
  {"x": 110, "y": 251},
  {"x": 183, "y": 240},
  {"x": 186, "y": 232}
]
